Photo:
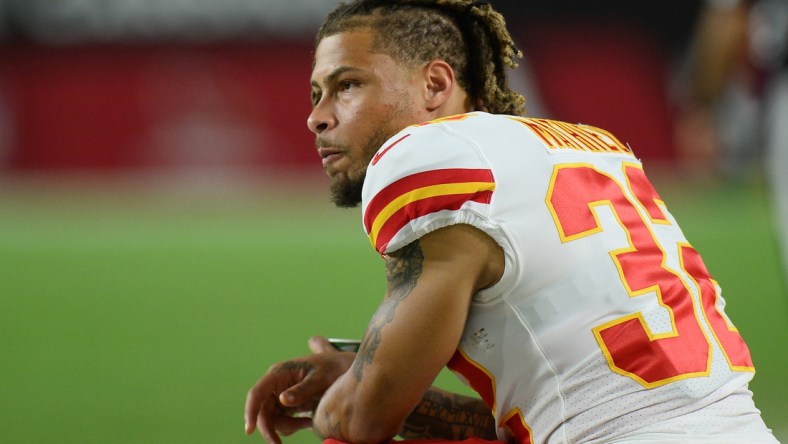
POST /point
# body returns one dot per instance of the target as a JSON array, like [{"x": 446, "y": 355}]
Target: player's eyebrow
[{"x": 330, "y": 78}]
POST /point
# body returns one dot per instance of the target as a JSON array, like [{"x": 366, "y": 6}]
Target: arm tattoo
[
  {"x": 291, "y": 366},
  {"x": 441, "y": 415},
  {"x": 402, "y": 271},
  {"x": 331, "y": 430}
]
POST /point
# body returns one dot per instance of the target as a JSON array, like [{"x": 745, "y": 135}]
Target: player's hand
[{"x": 292, "y": 388}]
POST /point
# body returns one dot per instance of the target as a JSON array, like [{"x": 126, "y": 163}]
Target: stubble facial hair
[{"x": 347, "y": 193}]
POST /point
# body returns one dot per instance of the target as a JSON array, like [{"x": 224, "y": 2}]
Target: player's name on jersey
[{"x": 562, "y": 135}]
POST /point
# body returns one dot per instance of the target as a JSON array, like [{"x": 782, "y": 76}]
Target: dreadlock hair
[{"x": 469, "y": 35}]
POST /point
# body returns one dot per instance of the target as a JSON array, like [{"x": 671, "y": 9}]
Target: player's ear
[{"x": 440, "y": 83}]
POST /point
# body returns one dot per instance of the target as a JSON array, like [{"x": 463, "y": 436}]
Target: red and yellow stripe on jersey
[
  {"x": 421, "y": 194},
  {"x": 477, "y": 376},
  {"x": 483, "y": 382}
]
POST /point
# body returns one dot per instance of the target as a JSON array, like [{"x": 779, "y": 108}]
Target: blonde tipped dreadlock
[{"x": 469, "y": 35}]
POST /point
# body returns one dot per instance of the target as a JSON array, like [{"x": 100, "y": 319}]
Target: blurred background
[{"x": 165, "y": 230}]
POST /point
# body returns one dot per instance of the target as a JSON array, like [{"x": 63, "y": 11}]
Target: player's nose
[{"x": 321, "y": 118}]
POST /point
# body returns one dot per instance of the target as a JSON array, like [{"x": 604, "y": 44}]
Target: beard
[{"x": 347, "y": 193}]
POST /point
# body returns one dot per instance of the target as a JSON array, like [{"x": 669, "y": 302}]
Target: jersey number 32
[{"x": 689, "y": 295}]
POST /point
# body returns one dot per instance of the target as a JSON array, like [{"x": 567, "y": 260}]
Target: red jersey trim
[
  {"x": 515, "y": 422},
  {"x": 478, "y": 377},
  {"x": 421, "y": 194}
]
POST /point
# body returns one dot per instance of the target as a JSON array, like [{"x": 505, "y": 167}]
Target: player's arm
[
  {"x": 445, "y": 415},
  {"x": 412, "y": 335}
]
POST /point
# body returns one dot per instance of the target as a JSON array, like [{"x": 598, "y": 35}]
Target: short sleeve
[{"x": 425, "y": 178}]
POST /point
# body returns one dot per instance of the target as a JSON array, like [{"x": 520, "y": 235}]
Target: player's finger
[
  {"x": 267, "y": 429},
  {"x": 287, "y": 425},
  {"x": 255, "y": 399},
  {"x": 251, "y": 410},
  {"x": 300, "y": 393},
  {"x": 319, "y": 344},
  {"x": 268, "y": 420}
]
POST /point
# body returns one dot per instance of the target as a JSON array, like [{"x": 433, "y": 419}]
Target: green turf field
[{"x": 143, "y": 316}]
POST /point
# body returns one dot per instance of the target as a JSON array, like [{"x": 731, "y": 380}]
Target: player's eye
[
  {"x": 347, "y": 85},
  {"x": 315, "y": 98}
]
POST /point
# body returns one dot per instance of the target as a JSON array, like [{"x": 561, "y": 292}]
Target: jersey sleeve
[{"x": 425, "y": 178}]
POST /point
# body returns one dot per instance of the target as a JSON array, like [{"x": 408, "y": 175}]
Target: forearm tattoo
[
  {"x": 331, "y": 429},
  {"x": 441, "y": 415},
  {"x": 402, "y": 271}
]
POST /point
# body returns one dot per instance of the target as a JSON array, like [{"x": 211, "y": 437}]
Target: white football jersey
[{"x": 606, "y": 324}]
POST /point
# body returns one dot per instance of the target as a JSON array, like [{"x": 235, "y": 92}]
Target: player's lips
[{"x": 329, "y": 155}]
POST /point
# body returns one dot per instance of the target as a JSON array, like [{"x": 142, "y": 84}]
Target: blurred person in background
[
  {"x": 734, "y": 114},
  {"x": 532, "y": 257},
  {"x": 769, "y": 45},
  {"x": 609, "y": 64},
  {"x": 717, "y": 129}
]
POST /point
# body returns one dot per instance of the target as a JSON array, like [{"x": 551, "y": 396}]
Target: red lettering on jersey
[
  {"x": 630, "y": 346},
  {"x": 727, "y": 336},
  {"x": 562, "y": 135}
]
